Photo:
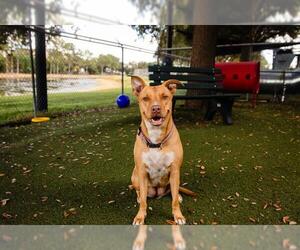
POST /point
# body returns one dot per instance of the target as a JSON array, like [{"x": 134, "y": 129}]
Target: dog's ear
[
  {"x": 172, "y": 85},
  {"x": 137, "y": 84}
]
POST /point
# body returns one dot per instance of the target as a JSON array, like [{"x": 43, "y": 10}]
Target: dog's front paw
[
  {"x": 138, "y": 245},
  {"x": 179, "y": 244},
  {"x": 179, "y": 218},
  {"x": 139, "y": 218}
]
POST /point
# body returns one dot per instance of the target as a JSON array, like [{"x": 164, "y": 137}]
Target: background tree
[{"x": 205, "y": 38}]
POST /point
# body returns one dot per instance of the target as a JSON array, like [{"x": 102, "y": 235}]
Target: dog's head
[{"x": 155, "y": 101}]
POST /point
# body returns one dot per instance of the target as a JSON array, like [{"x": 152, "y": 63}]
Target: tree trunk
[
  {"x": 11, "y": 64},
  {"x": 7, "y": 64},
  {"x": 203, "y": 55},
  {"x": 18, "y": 65}
]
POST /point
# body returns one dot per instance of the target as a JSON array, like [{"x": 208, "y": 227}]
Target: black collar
[{"x": 149, "y": 143}]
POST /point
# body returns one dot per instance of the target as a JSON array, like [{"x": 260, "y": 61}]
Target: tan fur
[
  {"x": 140, "y": 239},
  {"x": 145, "y": 178}
]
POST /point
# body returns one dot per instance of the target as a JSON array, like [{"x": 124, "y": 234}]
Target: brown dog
[{"x": 158, "y": 152}]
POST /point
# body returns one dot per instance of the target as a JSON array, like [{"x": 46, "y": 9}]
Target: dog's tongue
[{"x": 156, "y": 121}]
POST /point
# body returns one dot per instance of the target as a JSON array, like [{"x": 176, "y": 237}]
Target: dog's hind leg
[
  {"x": 135, "y": 184},
  {"x": 151, "y": 192},
  {"x": 165, "y": 191}
]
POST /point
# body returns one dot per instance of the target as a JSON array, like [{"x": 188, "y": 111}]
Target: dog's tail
[{"x": 187, "y": 191}]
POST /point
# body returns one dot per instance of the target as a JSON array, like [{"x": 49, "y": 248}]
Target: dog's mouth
[{"x": 157, "y": 120}]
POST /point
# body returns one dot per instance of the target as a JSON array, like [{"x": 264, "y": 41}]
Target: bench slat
[
  {"x": 164, "y": 77},
  {"x": 158, "y": 68},
  {"x": 196, "y": 85},
  {"x": 217, "y": 96}
]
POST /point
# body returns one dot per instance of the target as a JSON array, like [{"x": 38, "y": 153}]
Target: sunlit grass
[{"x": 76, "y": 168}]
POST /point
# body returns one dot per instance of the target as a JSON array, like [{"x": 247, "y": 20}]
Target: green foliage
[
  {"x": 14, "y": 32},
  {"x": 2, "y": 63}
]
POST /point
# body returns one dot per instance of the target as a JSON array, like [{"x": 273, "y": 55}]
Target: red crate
[{"x": 241, "y": 77}]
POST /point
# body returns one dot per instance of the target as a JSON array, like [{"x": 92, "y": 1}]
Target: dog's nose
[{"x": 155, "y": 109}]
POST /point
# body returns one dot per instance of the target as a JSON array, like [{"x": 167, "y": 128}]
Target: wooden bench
[{"x": 208, "y": 79}]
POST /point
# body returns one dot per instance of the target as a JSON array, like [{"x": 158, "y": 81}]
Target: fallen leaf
[
  {"x": 3, "y": 202},
  {"x": 112, "y": 201},
  {"x": 265, "y": 206},
  {"x": 7, "y": 216},
  {"x": 234, "y": 205},
  {"x": 277, "y": 207},
  {"x": 293, "y": 222},
  {"x": 252, "y": 219},
  {"x": 71, "y": 211},
  {"x": 285, "y": 219},
  {"x": 44, "y": 198},
  {"x": 171, "y": 222},
  {"x": 237, "y": 194}
]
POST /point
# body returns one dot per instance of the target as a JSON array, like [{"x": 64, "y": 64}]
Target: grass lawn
[
  {"x": 16, "y": 108},
  {"x": 76, "y": 168}
]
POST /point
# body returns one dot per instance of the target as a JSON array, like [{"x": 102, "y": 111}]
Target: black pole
[
  {"x": 32, "y": 73},
  {"x": 168, "y": 58},
  {"x": 122, "y": 68},
  {"x": 40, "y": 59}
]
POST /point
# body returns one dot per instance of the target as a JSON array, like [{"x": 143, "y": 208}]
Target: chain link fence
[{"x": 76, "y": 79}]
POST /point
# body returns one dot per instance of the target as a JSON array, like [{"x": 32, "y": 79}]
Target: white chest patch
[
  {"x": 153, "y": 131},
  {"x": 157, "y": 164}
]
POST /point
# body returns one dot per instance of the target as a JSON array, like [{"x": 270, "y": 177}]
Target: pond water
[{"x": 15, "y": 87}]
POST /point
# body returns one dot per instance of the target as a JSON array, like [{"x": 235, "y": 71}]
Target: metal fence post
[
  {"x": 284, "y": 87},
  {"x": 122, "y": 68},
  {"x": 40, "y": 58}
]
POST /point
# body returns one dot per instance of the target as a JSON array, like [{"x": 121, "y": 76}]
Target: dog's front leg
[
  {"x": 174, "y": 184},
  {"x": 178, "y": 239},
  {"x": 139, "y": 242},
  {"x": 143, "y": 181}
]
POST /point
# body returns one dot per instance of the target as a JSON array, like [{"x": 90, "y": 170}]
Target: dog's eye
[
  {"x": 165, "y": 97},
  {"x": 145, "y": 99}
]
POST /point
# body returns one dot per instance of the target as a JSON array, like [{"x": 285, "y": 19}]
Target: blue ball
[{"x": 123, "y": 101}]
